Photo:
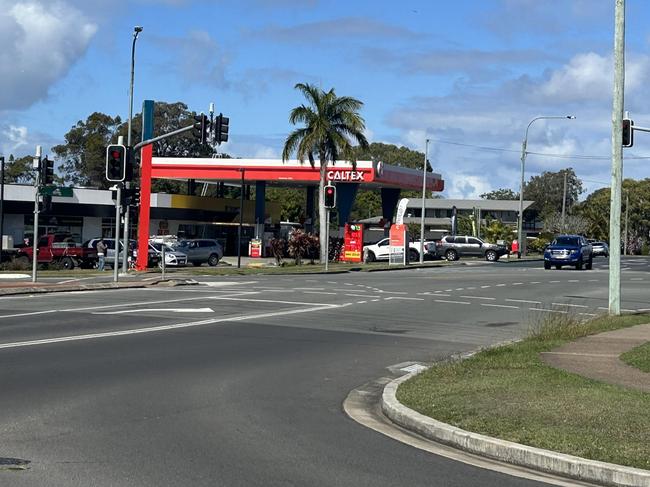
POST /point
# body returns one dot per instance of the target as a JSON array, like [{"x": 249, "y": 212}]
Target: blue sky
[{"x": 463, "y": 72}]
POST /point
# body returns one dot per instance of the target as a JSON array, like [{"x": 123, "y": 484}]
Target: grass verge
[
  {"x": 638, "y": 357},
  {"x": 509, "y": 393}
]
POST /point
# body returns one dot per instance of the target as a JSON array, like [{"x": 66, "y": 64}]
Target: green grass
[
  {"x": 509, "y": 393},
  {"x": 638, "y": 357}
]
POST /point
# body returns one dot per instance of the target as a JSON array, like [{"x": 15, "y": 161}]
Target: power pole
[
  {"x": 564, "y": 203},
  {"x": 627, "y": 207},
  {"x": 617, "y": 161}
]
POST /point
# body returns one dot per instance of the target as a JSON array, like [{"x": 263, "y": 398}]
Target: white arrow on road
[{"x": 169, "y": 310}]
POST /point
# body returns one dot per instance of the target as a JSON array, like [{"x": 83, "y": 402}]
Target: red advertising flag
[{"x": 352, "y": 243}]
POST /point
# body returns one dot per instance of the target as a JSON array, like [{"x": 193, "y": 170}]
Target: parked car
[
  {"x": 172, "y": 257},
  {"x": 454, "y": 247},
  {"x": 381, "y": 249},
  {"x": 59, "y": 248},
  {"x": 110, "y": 251},
  {"x": 572, "y": 250},
  {"x": 201, "y": 251},
  {"x": 599, "y": 248}
]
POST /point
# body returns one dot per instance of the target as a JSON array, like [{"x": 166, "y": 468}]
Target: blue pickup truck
[{"x": 573, "y": 250}]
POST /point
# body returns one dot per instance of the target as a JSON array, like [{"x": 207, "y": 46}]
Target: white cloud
[
  {"x": 467, "y": 186},
  {"x": 40, "y": 41},
  {"x": 16, "y": 137}
]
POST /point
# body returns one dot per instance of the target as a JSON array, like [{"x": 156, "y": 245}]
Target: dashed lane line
[
  {"x": 361, "y": 295},
  {"x": 478, "y": 297},
  {"x": 570, "y": 305},
  {"x": 404, "y": 298},
  {"x": 527, "y": 301},
  {"x": 451, "y": 302},
  {"x": 29, "y": 314},
  {"x": 318, "y": 292},
  {"x": 499, "y": 305}
]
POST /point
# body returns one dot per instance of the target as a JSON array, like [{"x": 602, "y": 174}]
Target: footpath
[{"x": 595, "y": 357}]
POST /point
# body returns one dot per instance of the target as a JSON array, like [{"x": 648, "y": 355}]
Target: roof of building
[{"x": 487, "y": 205}]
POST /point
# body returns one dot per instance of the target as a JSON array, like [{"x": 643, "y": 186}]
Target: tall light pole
[
  {"x": 125, "y": 262},
  {"x": 424, "y": 194},
  {"x": 520, "y": 239}
]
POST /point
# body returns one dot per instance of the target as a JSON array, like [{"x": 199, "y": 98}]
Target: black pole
[
  {"x": 2, "y": 202},
  {"x": 241, "y": 218}
]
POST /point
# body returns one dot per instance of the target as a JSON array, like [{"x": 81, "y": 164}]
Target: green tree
[
  {"x": 83, "y": 156},
  {"x": 500, "y": 194},
  {"x": 19, "y": 170},
  {"x": 366, "y": 205},
  {"x": 292, "y": 202},
  {"x": 331, "y": 123},
  {"x": 547, "y": 191}
]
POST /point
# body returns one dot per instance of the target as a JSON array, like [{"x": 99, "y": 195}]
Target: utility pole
[
  {"x": 424, "y": 195},
  {"x": 36, "y": 164},
  {"x": 627, "y": 208},
  {"x": 2, "y": 202},
  {"x": 617, "y": 160},
  {"x": 564, "y": 202}
]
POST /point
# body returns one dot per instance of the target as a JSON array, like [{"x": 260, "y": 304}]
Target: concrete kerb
[{"x": 507, "y": 451}]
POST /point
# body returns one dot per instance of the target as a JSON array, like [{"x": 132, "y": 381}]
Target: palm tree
[{"x": 331, "y": 122}]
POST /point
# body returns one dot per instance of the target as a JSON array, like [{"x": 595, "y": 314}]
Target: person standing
[{"x": 101, "y": 255}]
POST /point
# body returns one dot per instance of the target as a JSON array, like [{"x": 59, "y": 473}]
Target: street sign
[{"x": 56, "y": 191}]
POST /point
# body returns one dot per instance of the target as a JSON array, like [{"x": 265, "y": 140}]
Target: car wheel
[
  {"x": 558, "y": 266},
  {"x": 579, "y": 265},
  {"x": 413, "y": 255},
  {"x": 370, "y": 256},
  {"x": 590, "y": 264},
  {"x": 491, "y": 256},
  {"x": 213, "y": 260},
  {"x": 547, "y": 265},
  {"x": 451, "y": 255},
  {"x": 67, "y": 263}
]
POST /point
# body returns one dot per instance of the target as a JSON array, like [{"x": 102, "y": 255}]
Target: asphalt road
[{"x": 240, "y": 381}]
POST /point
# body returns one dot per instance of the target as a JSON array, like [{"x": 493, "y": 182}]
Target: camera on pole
[
  {"x": 330, "y": 196},
  {"x": 221, "y": 129},
  {"x": 116, "y": 163},
  {"x": 201, "y": 127}
]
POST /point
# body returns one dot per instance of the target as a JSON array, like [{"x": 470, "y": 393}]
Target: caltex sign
[{"x": 346, "y": 175}]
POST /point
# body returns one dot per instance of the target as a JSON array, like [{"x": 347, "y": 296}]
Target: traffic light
[
  {"x": 47, "y": 172},
  {"x": 47, "y": 203},
  {"x": 201, "y": 127},
  {"x": 330, "y": 196},
  {"x": 115, "y": 163},
  {"x": 628, "y": 133},
  {"x": 135, "y": 196},
  {"x": 221, "y": 129}
]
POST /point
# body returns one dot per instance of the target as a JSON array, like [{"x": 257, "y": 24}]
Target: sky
[{"x": 468, "y": 75}]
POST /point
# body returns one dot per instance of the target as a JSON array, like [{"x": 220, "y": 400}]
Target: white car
[
  {"x": 381, "y": 249},
  {"x": 172, "y": 257}
]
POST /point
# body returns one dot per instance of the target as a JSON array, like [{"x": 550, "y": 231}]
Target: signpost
[
  {"x": 57, "y": 191},
  {"x": 353, "y": 243},
  {"x": 397, "y": 250}
]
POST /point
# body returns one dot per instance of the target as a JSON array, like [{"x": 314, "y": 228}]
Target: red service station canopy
[{"x": 366, "y": 173}]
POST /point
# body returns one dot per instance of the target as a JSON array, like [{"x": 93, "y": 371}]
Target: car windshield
[
  {"x": 158, "y": 247},
  {"x": 567, "y": 241}
]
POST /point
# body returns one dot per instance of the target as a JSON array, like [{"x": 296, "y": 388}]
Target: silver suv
[
  {"x": 452, "y": 248},
  {"x": 201, "y": 250}
]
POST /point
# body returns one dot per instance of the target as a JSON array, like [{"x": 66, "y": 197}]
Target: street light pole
[
  {"x": 524, "y": 145},
  {"x": 125, "y": 262},
  {"x": 424, "y": 194}
]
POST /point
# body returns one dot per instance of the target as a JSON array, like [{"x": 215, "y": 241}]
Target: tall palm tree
[{"x": 331, "y": 124}]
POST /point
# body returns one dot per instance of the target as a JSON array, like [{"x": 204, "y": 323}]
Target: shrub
[
  {"x": 278, "y": 249},
  {"x": 299, "y": 245}
]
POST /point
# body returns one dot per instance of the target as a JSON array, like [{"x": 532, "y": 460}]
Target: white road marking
[
  {"x": 317, "y": 292},
  {"x": 140, "y": 303},
  {"x": 500, "y": 285},
  {"x": 274, "y": 301},
  {"x": 523, "y": 301},
  {"x": 499, "y": 305},
  {"x": 393, "y": 292},
  {"x": 225, "y": 284},
  {"x": 29, "y": 314},
  {"x": 570, "y": 305},
  {"x": 549, "y": 310},
  {"x": 308, "y": 289},
  {"x": 622, "y": 309},
  {"x": 146, "y": 310},
  {"x": 478, "y": 297},
  {"x": 361, "y": 302},
  {"x": 460, "y": 289},
  {"x": 451, "y": 302},
  {"x": 517, "y": 283},
  {"x": 553, "y": 282},
  {"x": 636, "y": 279},
  {"x": 404, "y": 298},
  {"x": 361, "y": 295},
  {"x": 574, "y": 280},
  {"x": 534, "y": 282},
  {"x": 593, "y": 280},
  {"x": 485, "y": 287},
  {"x": 153, "y": 329}
]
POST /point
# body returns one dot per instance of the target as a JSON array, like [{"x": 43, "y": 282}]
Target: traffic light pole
[
  {"x": 327, "y": 239},
  {"x": 35, "y": 231},
  {"x": 118, "y": 209}
]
